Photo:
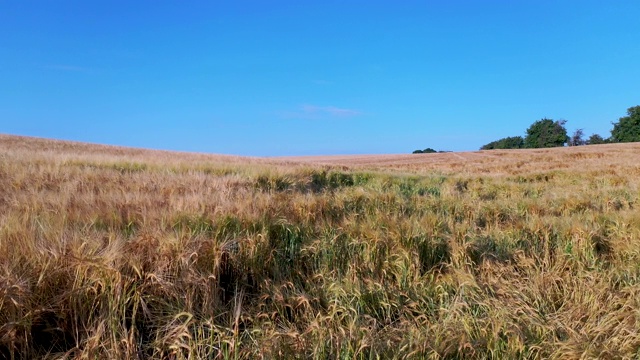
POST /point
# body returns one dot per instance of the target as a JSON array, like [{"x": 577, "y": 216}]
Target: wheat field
[{"x": 120, "y": 253}]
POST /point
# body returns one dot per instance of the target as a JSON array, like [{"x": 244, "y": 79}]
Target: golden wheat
[{"x": 110, "y": 252}]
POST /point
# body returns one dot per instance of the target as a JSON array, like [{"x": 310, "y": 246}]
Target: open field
[
  {"x": 493, "y": 162},
  {"x": 116, "y": 253}
]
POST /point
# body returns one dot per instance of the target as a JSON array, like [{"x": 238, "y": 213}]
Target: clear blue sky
[{"x": 268, "y": 78}]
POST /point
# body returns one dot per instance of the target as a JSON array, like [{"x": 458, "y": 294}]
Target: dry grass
[
  {"x": 617, "y": 157},
  {"x": 110, "y": 252}
]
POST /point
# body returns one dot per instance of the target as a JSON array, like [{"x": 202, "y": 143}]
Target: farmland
[{"x": 109, "y": 252}]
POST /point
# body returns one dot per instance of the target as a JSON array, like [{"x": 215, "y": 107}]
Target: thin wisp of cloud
[
  {"x": 72, "y": 68},
  {"x": 321, "y": 112}
]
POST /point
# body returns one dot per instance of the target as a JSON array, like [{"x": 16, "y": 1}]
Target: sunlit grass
[{"x": 118, "y": 253}]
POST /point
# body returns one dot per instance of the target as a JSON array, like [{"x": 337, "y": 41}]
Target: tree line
[
  {"x": 546, "y": 133},
  {"x": 429, "y": 151}
]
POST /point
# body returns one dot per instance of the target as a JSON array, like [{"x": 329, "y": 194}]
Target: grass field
[{"x": 115, "y": 253}]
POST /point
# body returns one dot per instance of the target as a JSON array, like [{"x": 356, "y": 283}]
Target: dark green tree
[
  {"x": 546, "y": 133},
  {"x": 425, "y": 151},
  {"x": 577, "y": 138},
  {"x": 627, "y": 129},
  {"x": 512, "y": 142},
  {"x": 596, "y": 139}
]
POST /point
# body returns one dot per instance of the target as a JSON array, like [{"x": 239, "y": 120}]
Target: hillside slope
[
  {"x": 110, "y": 252},
  {"x": 500, "y": 162}
]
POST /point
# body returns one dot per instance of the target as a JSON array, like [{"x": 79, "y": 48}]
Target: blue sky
[{"x": 276, "y": 78}]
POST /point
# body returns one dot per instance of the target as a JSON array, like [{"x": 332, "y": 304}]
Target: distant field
[
  {"x": 120, "y": 253},
  {"x": 494, "y": 162}
]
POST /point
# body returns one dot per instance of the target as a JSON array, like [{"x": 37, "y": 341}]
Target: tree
[
  {"x": 576, "y": 139},
  {"x": 627, "y": 129},
  {"x": 513, "y": 142},
  {"x": 596, "y": 139},
  {"x": 425, "y": 151},
  {"x": 546, "y": 133}
]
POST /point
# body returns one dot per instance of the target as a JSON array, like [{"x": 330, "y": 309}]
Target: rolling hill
[{"x": 109, "y": 252}]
